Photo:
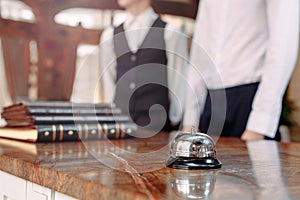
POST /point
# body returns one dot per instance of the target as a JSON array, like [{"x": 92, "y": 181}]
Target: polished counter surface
[{"x": 135, "y": 169}]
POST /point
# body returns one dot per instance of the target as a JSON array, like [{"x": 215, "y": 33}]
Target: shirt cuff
[
  {"x": 191, "y": 118},
  {"x": 263, "y": 123}
]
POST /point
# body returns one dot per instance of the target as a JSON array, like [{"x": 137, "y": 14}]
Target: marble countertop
[{"x": 135, "y": 169}]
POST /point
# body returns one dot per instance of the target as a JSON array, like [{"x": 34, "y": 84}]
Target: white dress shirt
[
  {"x": 246, "y": 41},
  {"x": 136, "y": 28}
]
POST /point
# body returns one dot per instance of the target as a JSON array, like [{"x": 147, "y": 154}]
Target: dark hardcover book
[
  {"x": 39, "y": 120},
  {"x": 59, "y": 108},
  {"x": 70, "y": 132},
  {"x": 27, "y": 111}
]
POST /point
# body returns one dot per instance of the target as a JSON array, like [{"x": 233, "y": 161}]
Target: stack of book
[{"x": 44, "y": 121}]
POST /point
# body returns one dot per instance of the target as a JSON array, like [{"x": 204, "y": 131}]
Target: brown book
[
  {"x": 28, "y": 147},
  {"x": 55, "y": 104},
  {"x": 70, "y": 132},
  {"x": 47, "y": 112}
]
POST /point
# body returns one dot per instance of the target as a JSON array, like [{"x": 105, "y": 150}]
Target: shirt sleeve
[
  {"x": 196, "y": 90},
  {"x": 177, "y": 55},
  {"x": 107, "y": 65},
  {"x": 280, "y": 59}
]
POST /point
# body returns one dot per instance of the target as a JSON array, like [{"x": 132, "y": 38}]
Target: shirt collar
[{"x": 144, "y": 19}]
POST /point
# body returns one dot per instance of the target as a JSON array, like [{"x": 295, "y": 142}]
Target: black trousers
[{"x": 226, "y": 111}]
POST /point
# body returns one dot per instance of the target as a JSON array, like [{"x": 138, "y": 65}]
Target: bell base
[{"x": 193, "y": 163}]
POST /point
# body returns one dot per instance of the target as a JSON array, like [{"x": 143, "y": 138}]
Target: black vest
[{"x": 142, "y": 78}]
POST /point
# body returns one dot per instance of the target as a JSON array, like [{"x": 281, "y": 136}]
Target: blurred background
[{"x": 44, "y": 43}]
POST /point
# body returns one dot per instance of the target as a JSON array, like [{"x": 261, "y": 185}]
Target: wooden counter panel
[{"x": 253, "y": 170}]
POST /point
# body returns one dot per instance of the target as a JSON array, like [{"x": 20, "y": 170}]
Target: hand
[{"x": 251, "y": 135}]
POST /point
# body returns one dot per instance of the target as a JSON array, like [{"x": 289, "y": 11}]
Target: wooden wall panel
[{"x": 17, "y": 62}]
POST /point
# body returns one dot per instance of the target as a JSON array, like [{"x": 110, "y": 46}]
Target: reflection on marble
[
  {"x": 260, "y": 170},
  {"x": 193, "y": 185},
  {"x": 267, "y": 169},
  {"x": 127, "y": 157},
  {"x": 209, "y": 184}
]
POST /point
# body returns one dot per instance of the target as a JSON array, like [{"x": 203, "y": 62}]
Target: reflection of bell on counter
[
  {"x": 190, "y": 186},
  {"x": 193, "y": 151}
]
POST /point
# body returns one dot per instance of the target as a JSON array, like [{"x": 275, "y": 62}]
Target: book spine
[
  {"x": 65, "y": 104},
  {"x": 77, "y": 132},
  {"x": 79, "y": 119},
  {"x": 62, "y": 112},
  {"x": 92, "y": 111},
  {"x": 56, "y": 104}
]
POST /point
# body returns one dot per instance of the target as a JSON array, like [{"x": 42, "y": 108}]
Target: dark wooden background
[{"x": 57, "y": 44}]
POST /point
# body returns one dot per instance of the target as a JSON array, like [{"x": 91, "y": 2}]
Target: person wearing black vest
[{"x": 143, "y": 61}]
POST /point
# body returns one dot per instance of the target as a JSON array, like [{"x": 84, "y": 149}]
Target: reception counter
[{"x": 135, "y": 169}]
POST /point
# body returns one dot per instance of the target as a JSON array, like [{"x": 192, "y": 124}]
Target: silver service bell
[{"x": 193, "y": 151}]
